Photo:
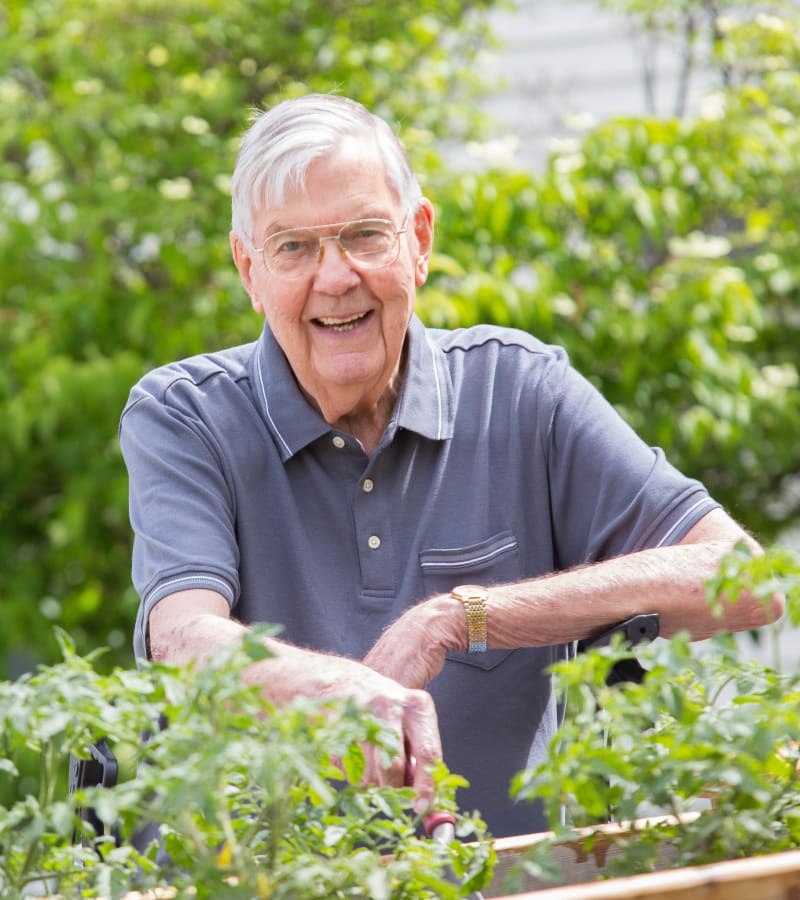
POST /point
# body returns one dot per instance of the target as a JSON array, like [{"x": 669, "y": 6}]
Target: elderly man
[{"x": 432, "y": 516}]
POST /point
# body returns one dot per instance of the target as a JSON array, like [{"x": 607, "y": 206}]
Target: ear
[
  {"x": 245, "y": 260},
  {"x": 423, "y": 231}
]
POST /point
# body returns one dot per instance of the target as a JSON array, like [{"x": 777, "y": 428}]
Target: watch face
[{"x": 470, "y": 592}]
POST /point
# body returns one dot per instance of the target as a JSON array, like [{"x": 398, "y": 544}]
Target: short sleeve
[
  {"x": 181, "y": 506},
  {"x": 611, "y": 493}
]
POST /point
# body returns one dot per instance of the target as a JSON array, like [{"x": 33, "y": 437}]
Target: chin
[{"x": 350, "y": 373}]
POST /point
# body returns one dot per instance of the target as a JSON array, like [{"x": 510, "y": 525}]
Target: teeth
[
  {"x": 347, "y": 324},
  {"x": 330, "y": 320}
]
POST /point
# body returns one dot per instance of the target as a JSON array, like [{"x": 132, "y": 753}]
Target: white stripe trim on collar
[
  {"x": 266, "y": 402},
  {"x": 439, "y": 402}
]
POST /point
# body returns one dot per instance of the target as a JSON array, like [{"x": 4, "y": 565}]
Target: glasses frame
[{"x": 356, "y": 263}]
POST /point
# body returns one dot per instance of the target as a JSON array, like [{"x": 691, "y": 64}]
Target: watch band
[{"x": 474, "y": 598}]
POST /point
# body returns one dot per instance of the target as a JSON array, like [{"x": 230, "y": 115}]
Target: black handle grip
[{"x": 636, "y": 630}]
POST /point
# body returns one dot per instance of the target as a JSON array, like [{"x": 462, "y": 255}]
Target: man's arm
[
  {"x": 192, "y": 625},
  {"x": 570, "y": 605}
]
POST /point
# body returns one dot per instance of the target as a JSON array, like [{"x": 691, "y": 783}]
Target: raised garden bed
[{"x": 772, "y": 877}]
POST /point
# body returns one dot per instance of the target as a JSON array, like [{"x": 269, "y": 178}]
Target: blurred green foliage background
[{"x": 664, "y": 254}]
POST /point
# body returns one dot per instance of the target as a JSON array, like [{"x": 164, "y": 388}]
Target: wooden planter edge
[{"x": 772, "y": 877}]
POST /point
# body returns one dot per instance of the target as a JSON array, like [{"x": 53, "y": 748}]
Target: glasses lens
[
  {"x": 291, "y": 252},
  {"x": 370, "y": 242}
]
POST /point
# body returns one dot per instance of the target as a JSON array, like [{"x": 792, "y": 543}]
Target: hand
[
  {"x": 411, "y": 714},
  {"x": 414, "y": 719},
  {"x": 412, "y": 649},
  {"x": 192, "y": 625}
]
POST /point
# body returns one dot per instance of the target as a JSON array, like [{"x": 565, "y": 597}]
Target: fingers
[
  {"x": 400, "y": 660},
  {"x": 412, "y": 715},
  {"x": 423, "y": 746},
  {"x": 412, "y": 650},
  {"x": 391, "y": 710},
  {"x": 413, "y": 667}
]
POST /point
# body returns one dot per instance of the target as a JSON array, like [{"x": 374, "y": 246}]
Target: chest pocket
[{"x": 492, "y": 561}]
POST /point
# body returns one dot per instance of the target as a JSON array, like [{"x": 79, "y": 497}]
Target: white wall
[{"x": 567, "y": 59}]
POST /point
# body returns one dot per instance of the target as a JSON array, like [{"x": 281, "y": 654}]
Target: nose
[{"x": 335, "y": 273}]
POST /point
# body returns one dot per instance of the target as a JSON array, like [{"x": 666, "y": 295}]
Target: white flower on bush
[
  {"x": 179, "y": 188},
  {"x": 698, "y": 245},
  {"x": 148, "y": 248}
]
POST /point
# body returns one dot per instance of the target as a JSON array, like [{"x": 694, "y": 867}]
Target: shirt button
[
  {"x": 374, "y": 542},
  {"x": 368, "y": 485},
  {"x": 338, "y": 442}
]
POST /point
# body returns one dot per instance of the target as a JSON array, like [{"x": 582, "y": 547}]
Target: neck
[
  {"x": 364, "y": 415},
  {"x": 369, "y": 424}
]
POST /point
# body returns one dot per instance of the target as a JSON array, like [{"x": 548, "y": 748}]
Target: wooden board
[{"x": 775, "y": 877}]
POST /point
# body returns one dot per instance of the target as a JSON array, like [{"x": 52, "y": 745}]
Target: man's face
[{"x": 342, "y": 328}]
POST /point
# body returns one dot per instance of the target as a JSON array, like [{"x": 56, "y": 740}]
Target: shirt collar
[
  {"x": 291, "y": 419},
  {"x": 425, "y": 404}
]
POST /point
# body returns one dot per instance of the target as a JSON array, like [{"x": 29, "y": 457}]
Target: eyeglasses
[{"x": 367, "y": 243}]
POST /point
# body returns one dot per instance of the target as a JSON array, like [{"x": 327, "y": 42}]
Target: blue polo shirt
[{"x": 500, "y": 463}]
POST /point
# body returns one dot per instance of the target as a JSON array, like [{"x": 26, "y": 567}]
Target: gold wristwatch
[{"x": 474, "y": 598}]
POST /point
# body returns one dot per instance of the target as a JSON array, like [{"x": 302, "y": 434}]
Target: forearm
[
  {"x": 571, "y": 605},
  {"x": 574, "y": 604},
  {"x": 290, "y": 672},
  {"x": 191, "y": 626}
]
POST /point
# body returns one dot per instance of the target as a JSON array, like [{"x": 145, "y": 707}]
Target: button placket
[
  {"x": 373, "y": 541},
  {"x": 372, "y": 514}
]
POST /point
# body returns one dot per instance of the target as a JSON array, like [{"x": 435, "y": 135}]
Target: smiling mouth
[{"x": 341, "y": 324}]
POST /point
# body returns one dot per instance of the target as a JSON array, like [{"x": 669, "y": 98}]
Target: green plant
[
  {"x": 662, "y": 253},
  {"x": 705, "y": 730},
  {"x": 121, "y": 120},
  {"x": 252, "y": 800}
]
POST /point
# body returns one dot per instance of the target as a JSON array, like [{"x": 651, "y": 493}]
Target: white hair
[{"x": 282, "y": 142}]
